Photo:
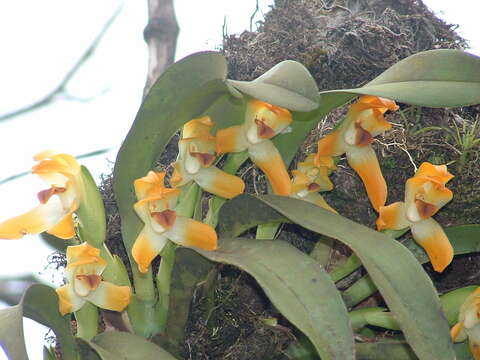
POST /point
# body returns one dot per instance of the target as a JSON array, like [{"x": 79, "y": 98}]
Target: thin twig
[{"x": 61, "y": 88}]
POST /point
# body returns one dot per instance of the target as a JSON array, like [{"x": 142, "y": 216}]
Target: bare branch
[
  {"x": 161, "y": 35},
  {"x": 60, "y": 90}
]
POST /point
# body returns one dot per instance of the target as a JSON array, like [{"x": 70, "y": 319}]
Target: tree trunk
[{"x": 161, "y": 35}]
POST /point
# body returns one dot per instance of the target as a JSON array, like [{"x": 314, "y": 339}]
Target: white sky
[{"x": 41, "y": 40}]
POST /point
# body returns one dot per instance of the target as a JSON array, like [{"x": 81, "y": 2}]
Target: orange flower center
[
  {"x": 166, "y": 218},
  {"x": 263, "y": 130},
  {"x": 45, "y": 195},
  {"x": 90, "y": 281}
]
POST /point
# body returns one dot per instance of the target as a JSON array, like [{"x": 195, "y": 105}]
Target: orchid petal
[
  {"x": 192, "y": 233},
  {"x": 65, "y": 228},
  {"x": 425, "y": 197},
  {"x": 179, "y": 177},
  {"x": 430, "y": 235},
  {"x": 365, "y": 163},
  {"x": 457, "y": 332},
  {"x": 197, "y": 127},
  {"x": 68, "y": 300},
  {"x": 392, "y": 217},
  {"x": 36, "y": 221},
  {"x": 331, "y": 145},
  {"x": 231, "y": 139},
  {"x": 109, "y": 296},
  {"x": 147, "y": 246},
  {"x": 266, "y": 156},
  {"x": 219, "y": 182},
  {"x": 437, "y": 172},
  {"x": 264, "y": 121}
]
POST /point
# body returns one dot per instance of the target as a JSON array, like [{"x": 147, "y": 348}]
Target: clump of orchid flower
[
  {"x": 309, "y": 179},
  {"x": 156, "y": 208},
  {"x": 354, "y": 137},
  {"x": 85, "y": 283},
  {"x": 57, "y": 203},
  {"x": 425, "y": 194},
  {"x": 262, "y": 122},
  {"x": 468, "y": 325},
  {"x": 195, "y": 162}
]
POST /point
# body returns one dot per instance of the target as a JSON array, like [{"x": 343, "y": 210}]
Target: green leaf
[
  {"x": 298, "y": 287},
  {"x": 288, "y": 84},
  {"x": 404, "y": 285},
  {"x": 434, "y": 78},
  {"x": 39, "y": 303},
  {"x": 115, "y": 345},
  {"x": 92, "y": 223}
]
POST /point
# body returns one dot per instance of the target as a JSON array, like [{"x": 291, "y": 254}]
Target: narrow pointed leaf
[
  {"x": 299, "y": 288},
  {"x": 434, "y": 78},
  {"x": 404, "y": 285}
]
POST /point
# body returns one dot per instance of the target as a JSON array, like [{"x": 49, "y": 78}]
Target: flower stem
[
  {"x": 164, "y": 279},
  {"x": 87, "y": 321}
]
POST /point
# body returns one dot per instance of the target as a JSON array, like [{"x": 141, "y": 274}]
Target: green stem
[
  {"x": 359, "y": 291},
  {"x": 87, "y": 321},
  {"x": 164, "y": 279}
]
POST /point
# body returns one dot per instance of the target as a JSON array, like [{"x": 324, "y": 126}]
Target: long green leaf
[
  {"x": 434, "y": 78},
  {"x": 298, "y": 286},
  {"x": 404, "y": 285},
  {"x": 39, "y": 303},
  {"x": 114, "y": 345}
]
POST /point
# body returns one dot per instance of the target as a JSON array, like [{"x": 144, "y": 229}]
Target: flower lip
[
  {"x": 425, "y": 209},
  {"x": 205, "y": 159},
  {"x": 90, "y": 281},
  {"x": 45, "y": 195},
  {"x": 263, "y": 130},
  {"x": 363, "y": 137},
  {"x": 165, "y": 218}
]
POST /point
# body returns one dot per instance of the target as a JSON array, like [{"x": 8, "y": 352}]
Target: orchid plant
[{"x": 224, "y": 123}]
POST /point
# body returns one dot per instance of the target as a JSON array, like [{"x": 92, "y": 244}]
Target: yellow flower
[
  {"x": 85, "y": 283},
  {"x": 425, "y": 194},
  {"x": 262, "y": 122},
  {"x": 156, "y": 207},
  {"x": 196, "y": 155},
  {"x": 468, "y": 325},
  {"x": 353, "y": 137},
  {"x": 309, "y": 179},
  {"x": 57, "y": 203}
]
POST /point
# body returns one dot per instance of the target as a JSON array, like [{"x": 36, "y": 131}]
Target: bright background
[{"x": 41, "y": 40}]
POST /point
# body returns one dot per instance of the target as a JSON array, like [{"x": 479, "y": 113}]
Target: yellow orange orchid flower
[
  {"x": 309, "y": 179},
  {"x": 84, "y": 282},
  {"x": 156, "y": 207},
  {"x": 196, "y": 156},
  {"x": 425, "y": 194},
  {"x": 57, "y": 203},
  {"x": 262, "y": 122},
  {"x": 353, "y": 137},
  {"x": 468, "y": 325}
]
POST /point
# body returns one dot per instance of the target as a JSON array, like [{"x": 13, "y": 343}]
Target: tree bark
[{"x": 161, "y": 35}]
